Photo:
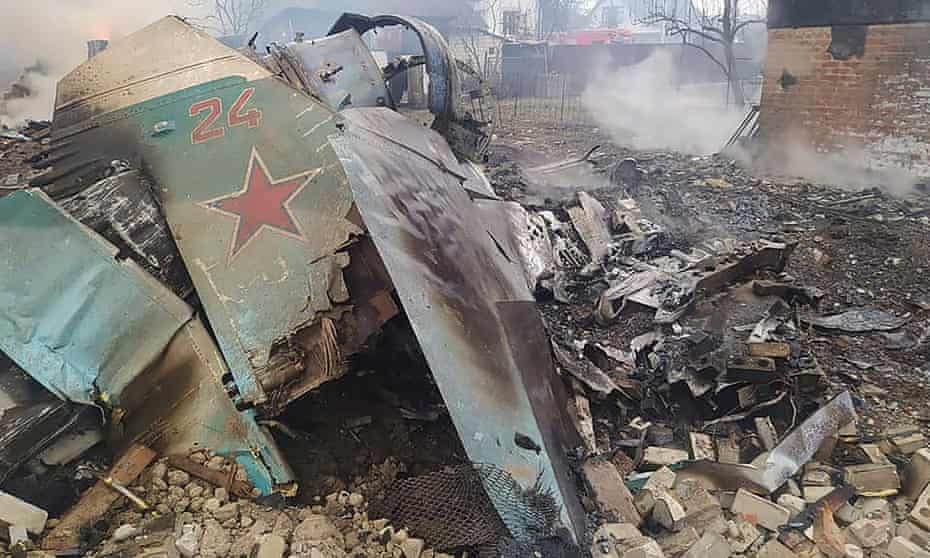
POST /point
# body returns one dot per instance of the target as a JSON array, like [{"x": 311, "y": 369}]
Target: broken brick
[
  {"x": 870, "y": 533},
  {"x": 654, "y": 458},
  {"x": 917, "y": 474},
  {"x": 702, "y": 447},
  {"x": 774, "y": 549},
  {"x": 903, "y": 548},
  {"x": 609, "y": 491},
  {"x": 872, "y": 478},
  {"x": 920, "y": 514},
  {"x": 760, "y": 511},
  {"x": 711, "y": 544}
]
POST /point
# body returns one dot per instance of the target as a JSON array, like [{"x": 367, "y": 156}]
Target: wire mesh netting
[{"x": 453, "y": 508}]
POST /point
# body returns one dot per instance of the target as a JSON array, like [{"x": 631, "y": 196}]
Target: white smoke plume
[
  {"x": 56, "y": 32},
  {"x": 644, "y": 107}
]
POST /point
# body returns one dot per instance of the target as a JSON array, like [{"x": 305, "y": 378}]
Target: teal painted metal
[
  {"x": 98, "y": 330},
  {"x": 259, "y": 286},
  {"x": 71, "y": 314}
]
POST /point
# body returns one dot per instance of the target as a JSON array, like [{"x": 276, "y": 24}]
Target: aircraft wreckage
[{"x": 218, "y": 230}]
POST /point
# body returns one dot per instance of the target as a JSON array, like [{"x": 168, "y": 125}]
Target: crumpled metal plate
[
  {"x": 61, "y": 288},
  {"x": 97, "y": 330},
  {"x": 467, "y": 300}
]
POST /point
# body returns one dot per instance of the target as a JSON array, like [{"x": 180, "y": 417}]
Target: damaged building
[{"x": 850, "y": 78}]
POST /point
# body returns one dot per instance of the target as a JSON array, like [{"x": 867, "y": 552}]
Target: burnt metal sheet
[
  {"x": 188, "y": 374},
  {"x": 122, "y": 209},
  {"x": 341, "y": 71},
  {"x": 30, "y": 417},
  {"x": 99, "y": 330},
  {"x": 468, "y": 302},
  {"x": 75, "y": 317},
  {"x": 444, "y": 85}
]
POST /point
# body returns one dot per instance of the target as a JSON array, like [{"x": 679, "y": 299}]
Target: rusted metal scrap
[{"x": 307, "y": 212}]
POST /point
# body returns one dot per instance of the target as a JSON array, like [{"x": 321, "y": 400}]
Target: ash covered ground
[{"x": 861, "y": 247}]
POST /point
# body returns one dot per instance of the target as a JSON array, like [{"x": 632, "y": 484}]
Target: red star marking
[{"x": 261, "y": 204}]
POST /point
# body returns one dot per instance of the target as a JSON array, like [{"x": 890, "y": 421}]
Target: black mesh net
[{"x": 452, "y": 509}]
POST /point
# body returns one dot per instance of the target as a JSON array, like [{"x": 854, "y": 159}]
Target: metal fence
[
  {"x": 554, "y": 100},
  {"x": 562, "y": 109}
]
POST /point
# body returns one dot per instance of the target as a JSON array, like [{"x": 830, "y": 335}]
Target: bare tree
[
  {"x": 475, "y": 30},
  {"x": 229, "y": 17},
  {"x": 707, "y": 31}
]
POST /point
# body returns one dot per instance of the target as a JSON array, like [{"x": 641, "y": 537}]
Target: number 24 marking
[{"x": 204, "y": 130}]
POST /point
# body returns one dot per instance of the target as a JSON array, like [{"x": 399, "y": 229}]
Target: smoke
[
  {"x": 644, "y": 108},
  {"x": 28, "y": 98},
  {"x": 442, "y": 8},
  {"x": 55, "y": 32},
  {"x": 850, "y": 169}
]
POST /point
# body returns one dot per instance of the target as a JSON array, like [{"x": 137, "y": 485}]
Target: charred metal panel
[
  {"x": 30, "y": 417},
  {"x": 89, "y": 132},
  {"x": 180, "y": 403},
  {"x": 261, "y": 276},
  {"x": 123, "y": 210},
  {"x": 468, "y": 302},
  {"x": 99, "y": 330},
  {"x": 805, "y": 13},
  {"x": 341, "y": 71},
  {"x": 166, "y": 56},
  {"x": 80, "y": 321}
]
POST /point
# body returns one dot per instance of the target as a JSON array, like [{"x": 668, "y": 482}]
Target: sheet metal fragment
[
  {"x": 467, "y": 301},
  {"x": 796, "y": 449},
  {"x": 77, "y": 319},
  {"x": 101, "y": 331}
]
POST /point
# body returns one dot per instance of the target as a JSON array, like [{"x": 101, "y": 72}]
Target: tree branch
[
  {"x": 746, "y": 23},
  {"x": 723, "y": 68},
  {"x": 711, "y": 38}
]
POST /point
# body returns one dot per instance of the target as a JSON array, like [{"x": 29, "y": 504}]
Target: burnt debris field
[{"x": 483, "y": 282}]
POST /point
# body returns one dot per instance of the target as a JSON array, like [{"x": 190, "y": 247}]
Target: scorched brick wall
[{"x": 875, "y": 104}]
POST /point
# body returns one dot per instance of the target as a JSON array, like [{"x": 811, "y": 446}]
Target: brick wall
[{"x": 875, "y": 107}]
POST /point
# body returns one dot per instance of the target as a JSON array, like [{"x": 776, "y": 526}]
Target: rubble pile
[
  {"x": 201, "y": 505},
  {"x": 863, "y": 508},
  {"x": 197, "y": 518},
  {"x": 17, "y": 147},
  {"x": 704, "y": 374}
]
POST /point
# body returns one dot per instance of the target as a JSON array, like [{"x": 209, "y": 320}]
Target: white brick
[{"x": 760, "y": 511}]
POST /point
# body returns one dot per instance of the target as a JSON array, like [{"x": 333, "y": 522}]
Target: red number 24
[{"x": 204, "y": 130}]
